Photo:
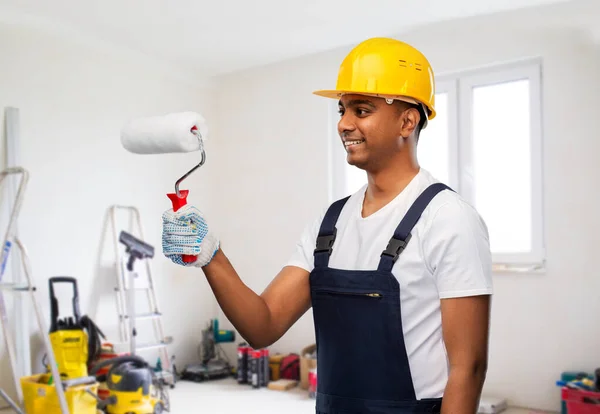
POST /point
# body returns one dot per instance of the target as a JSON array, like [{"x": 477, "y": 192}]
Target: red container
[
  {"x": 107, "y": 352},
  {"x": 581, "y": 402},
  {"x": 312, "y": 383}
]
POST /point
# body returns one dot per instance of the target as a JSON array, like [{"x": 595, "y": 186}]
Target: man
[{"x": 398, "y": 274}]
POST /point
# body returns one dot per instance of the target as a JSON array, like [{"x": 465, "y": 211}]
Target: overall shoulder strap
[
  {"x": 402, "y": 234},
  {"x": 327, "y": 233}
]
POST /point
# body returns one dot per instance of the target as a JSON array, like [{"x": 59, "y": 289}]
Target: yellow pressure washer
[
  {"x": 76, "y": 340},
  {"x": 68, "y": 338}
]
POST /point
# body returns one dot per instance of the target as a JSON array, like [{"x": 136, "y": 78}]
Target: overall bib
[{"x": 362, "y": 362}]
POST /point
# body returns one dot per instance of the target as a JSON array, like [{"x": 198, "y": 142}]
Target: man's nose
[{"x": 346, "y": 124}]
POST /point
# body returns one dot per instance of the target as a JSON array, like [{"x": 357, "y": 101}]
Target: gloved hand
[{"x": 186, "y": 232}]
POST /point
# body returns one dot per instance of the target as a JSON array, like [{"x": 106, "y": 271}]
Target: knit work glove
[{"x": 186, "y": 232}]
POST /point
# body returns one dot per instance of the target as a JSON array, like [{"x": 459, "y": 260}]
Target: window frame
[
  {"x": 459, "y": 85},
  {"x": 465, "y": 82}
]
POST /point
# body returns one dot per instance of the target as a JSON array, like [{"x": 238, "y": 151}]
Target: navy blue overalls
[{"x": 362, "y": 362}]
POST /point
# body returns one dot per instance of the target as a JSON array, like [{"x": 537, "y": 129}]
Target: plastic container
[
  {"x": 581, "y": 402},
  {"x": 107, "y": 352},
  {"x": 41, "y": 398},
  {"x": 275, "y": 366}
]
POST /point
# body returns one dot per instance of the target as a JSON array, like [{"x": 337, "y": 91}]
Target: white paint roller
[
  {"x": 176, "y": 132},
  {"x": 167, "y": 134}
]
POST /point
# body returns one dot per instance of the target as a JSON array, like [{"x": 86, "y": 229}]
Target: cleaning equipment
[
  {"x": 212, "y": 366},
  {"x": 132, "y": 387},
  {"x": 172, "y": 133},
  {"x": 107, "y": 352},
  {"x": 41, "y": 398},
  {"x": 386, "y": 68},
  {"x": 69, "y": 340},
  {"x": 10, "y": 240},
  {"x": 76, "y": 340}
]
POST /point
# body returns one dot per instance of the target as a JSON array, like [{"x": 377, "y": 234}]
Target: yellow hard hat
[{"x": 386, "y": 68}]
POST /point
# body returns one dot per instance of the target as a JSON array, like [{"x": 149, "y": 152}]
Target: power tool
[
  {"x": 212, "y": 366},
  {"x": 132, "y": 387}
]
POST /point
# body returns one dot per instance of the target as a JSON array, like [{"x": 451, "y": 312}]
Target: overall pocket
[{"x": 361, "y": 350}]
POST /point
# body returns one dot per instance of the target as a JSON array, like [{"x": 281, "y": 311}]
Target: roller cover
[{"x": 164, "y": 134}]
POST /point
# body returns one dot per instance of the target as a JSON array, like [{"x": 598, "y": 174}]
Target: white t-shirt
[{"x": 448, "y": 256}]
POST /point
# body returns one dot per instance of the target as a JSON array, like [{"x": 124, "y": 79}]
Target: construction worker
[{"x": 398, "y": 274}]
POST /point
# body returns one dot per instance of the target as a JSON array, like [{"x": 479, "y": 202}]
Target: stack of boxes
[{"x": 256, "y": 367}]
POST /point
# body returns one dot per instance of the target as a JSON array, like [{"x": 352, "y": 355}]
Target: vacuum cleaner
[{"x": 132, "y": 387}]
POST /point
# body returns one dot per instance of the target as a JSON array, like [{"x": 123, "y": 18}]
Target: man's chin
[{"x": 356, "y": 162}]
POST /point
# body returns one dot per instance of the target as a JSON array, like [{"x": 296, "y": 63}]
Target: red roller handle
[{"x": 177, "y": 203}]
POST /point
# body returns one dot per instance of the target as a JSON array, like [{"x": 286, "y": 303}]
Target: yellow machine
[
  {"x": 132, "y": 387},
  {"x": 68, "y": 338}
]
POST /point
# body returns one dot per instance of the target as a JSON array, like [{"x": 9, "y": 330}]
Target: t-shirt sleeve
[
  {"x": 457, "y": 251},
  {"x": 302, "y": 256}
]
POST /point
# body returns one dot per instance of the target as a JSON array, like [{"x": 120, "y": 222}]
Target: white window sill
[{"x": 513, "y": 268}]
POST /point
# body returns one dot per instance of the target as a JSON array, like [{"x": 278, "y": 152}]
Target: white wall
[
  {"x": 273, "y": 135},
  {"x": 73, "y": 101}
]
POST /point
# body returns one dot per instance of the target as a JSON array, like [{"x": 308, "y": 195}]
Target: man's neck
[{"x": 384, "y": 186}]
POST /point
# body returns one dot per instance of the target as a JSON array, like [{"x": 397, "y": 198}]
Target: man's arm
[
  {"x": 458, "y": 254},
  {"x": 260, "y": 319},
  {"x": 465, "y": 326}
]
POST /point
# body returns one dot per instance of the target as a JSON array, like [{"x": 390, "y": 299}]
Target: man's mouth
[{"x": 352, "y": 143}]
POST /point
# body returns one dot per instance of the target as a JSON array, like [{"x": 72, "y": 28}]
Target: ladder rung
[
  {"x": 14, "y": 287},
  {"x": 125, "y": 289},
  {"x": 148, "y": 347},
  {"x": 150, "y": 315}
]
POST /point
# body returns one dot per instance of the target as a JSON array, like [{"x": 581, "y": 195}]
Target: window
[{"x": 486, "y": 144}]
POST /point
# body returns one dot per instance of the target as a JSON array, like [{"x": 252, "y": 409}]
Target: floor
[{"x": 227, "y": 396}]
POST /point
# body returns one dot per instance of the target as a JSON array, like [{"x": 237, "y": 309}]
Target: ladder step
[
  {"x": 126, "y": 289},
  {"x": 151, "y": 315},
  {"x": 14, "y": 286},
  {"x": 148, "y": 347}
]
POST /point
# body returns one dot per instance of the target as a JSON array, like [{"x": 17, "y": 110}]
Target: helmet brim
[
  {"x": 337, "y": 94},
  {"x": 333, "y": 94}
]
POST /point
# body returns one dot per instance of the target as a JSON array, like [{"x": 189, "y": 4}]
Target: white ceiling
[{"x": 211, "y": 37}]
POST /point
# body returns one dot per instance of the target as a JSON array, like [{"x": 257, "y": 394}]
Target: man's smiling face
[{"x": 372, "y": 130}]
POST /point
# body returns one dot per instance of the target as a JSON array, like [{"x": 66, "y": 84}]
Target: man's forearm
[
  {"x": 463, "y": 390},
  {"x": 246, "y": 310}
]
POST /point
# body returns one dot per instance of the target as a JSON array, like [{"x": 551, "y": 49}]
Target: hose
[{"x": 95, "y": 336}]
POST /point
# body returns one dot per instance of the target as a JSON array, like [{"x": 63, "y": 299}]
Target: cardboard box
[
  {"x": 282, "y": 385},
  {"x": 306, "y": 364}
]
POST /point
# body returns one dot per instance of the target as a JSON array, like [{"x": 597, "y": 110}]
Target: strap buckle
[
  {"x": 395, "y": 247},
  {"x": 325, "y": 243}
]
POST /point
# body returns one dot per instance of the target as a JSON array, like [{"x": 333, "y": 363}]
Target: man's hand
[
  {"x": 186, "y": 232},
  {"x": 465, "y": 326}
]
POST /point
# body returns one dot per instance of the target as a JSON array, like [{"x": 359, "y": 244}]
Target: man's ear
[{"x": 409, "y": 121}]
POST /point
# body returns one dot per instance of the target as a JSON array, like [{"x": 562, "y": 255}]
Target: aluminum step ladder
[
  {"x": 11, "y": 239},
  {"x": 127, "y": 287}
]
